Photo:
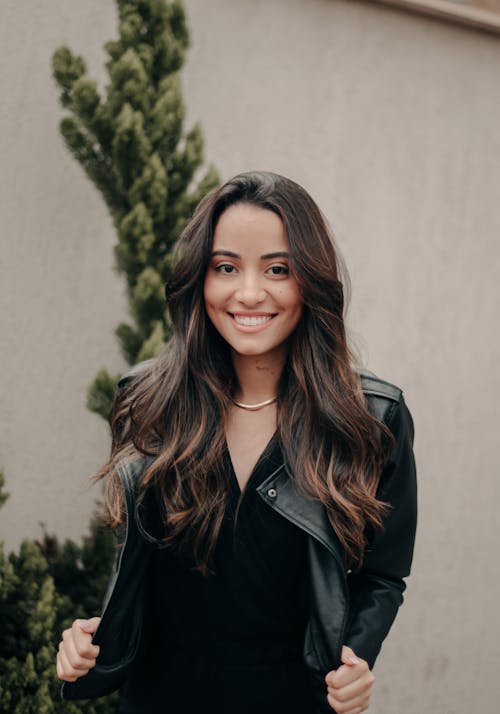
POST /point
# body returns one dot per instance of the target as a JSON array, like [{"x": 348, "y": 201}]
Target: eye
[
  {"x": 225, "y": 268},
  {"x": 279, "y": 270}
]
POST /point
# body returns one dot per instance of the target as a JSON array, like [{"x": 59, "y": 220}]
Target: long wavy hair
[{"x": 175, "y": 407}]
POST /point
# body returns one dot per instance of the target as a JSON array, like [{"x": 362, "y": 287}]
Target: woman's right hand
[{"x": 77, "y": 655}]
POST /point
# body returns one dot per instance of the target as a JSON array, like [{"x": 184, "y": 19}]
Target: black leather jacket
[{"x": 354, "y": 609}]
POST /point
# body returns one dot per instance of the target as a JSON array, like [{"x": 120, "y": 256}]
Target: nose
[{"x": 250, "y": 290}]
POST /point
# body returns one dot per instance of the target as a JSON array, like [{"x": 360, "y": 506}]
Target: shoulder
[
  {"x": 383, "y": 397},
  {"x": 385, "y": 401}
]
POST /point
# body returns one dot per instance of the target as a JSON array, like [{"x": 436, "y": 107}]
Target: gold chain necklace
[{"x": 255, "y": 407}]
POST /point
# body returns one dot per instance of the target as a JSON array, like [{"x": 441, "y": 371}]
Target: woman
[{"x": 265, "y": 487}]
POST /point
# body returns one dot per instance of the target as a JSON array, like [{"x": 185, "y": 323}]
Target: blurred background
[{"x": 390, "y": 119}]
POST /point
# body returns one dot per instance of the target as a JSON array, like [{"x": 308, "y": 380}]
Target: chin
[
  {"x": 250, "y": 351},
  {"x": 255, "y": 350}
]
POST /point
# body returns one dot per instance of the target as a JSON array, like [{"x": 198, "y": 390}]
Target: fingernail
[
  {"x": 83, "y": 623},
  {"x": 353, "y": 660}
]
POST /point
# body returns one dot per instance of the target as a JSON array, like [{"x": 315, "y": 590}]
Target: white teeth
[{"x": 250, "y": 320}]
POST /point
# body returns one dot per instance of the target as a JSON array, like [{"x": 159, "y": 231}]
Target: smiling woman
[{"x": 265, "y": 486}]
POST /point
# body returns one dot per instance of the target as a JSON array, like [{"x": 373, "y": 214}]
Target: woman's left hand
[{"x": 349, "y": 686}]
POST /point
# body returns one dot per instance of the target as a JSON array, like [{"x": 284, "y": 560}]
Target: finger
[
  {"x": 329, "y": 678},
  {"x": 348, "y": 673},
  {"x": 352, "y": 706},
  {"x": 357, "y": 710},
  {"x": 83, "y": 641},
  {"x": 71, "y": 659},
  {"x": 59, "y": 667},
  {"x": 67, "y": 672},
  {"x": 348, "y": 656},
  {"x": 359, "y": 686},
  {"x": 76, "y": 660},
  {"x": 74, "y": 666},
  {"x": 90, "y": 625},
  {"x": 343, "y": 676},
  {"x": 355, "y": 695}
]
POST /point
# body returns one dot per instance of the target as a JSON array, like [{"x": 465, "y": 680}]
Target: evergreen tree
[
  {"x": 133, "y": 147},
  {"x": 33, "y": 614}
]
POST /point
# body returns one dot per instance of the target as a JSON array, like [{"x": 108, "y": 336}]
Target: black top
[{"x": 232, "y": 642}]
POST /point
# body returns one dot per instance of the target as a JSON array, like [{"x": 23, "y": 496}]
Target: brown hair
[{"x": 174, "y": 409}]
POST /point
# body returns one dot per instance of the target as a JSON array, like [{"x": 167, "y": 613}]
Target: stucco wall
[{"x": 391, "y": 121}]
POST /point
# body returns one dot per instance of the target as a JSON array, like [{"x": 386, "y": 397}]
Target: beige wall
[{"x": 391, "y": 121}]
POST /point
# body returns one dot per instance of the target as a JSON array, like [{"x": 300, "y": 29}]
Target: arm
[{"x": 377, "y": 589}]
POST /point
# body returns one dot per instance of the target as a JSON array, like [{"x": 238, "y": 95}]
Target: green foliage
[
  {"x": 81, "y": 572},
  {"x": 132, "y": 145},
  {"x": 3, "y": 494},
  {"x": 28, "y": 605},
  {"x": 101, "y": 393},
  {"x": 40, "y": 590}
]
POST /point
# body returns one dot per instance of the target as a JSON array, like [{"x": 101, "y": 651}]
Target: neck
[{"x": 258, "y": 376}]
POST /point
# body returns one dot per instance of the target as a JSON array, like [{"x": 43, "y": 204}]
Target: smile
[
  {"x": 251, "y": 320},
  {"x": 250, "y": 323}
]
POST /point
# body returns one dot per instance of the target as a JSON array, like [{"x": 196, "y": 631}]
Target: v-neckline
[{"x": 234, "y": 477}]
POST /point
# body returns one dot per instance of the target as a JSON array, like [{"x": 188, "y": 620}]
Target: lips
[{"x": 251, "y": 320}]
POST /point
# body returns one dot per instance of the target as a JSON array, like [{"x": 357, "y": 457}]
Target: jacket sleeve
[{"x": 376, "y": 590}]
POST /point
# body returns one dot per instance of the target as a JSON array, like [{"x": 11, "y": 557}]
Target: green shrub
[{"x": 42, "y": 589}]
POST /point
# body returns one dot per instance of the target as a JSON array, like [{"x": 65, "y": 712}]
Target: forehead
[{"x": 245, "y": 228}]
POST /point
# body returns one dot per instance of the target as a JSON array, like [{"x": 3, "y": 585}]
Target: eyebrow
[{"x": 267, "y": 256}]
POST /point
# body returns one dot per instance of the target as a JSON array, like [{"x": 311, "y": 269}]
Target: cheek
[
  {"x": 291, "y": 299},
  {"x": 210, "y": 292},
  {"x": 215, "y": 298}
]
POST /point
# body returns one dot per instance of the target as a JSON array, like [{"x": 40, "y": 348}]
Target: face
[{"x": 250, "y": 296}]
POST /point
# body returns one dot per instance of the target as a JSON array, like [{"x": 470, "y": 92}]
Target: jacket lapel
[{"x": 280, "y": 492}]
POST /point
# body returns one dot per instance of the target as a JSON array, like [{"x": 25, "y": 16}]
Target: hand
[
  {"x": 77, "y": 655},
  {"x": 349, "y": 686}
]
